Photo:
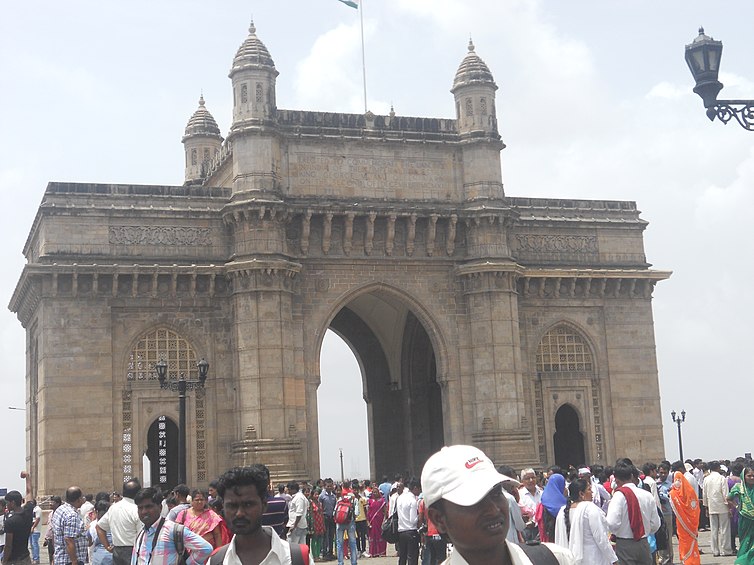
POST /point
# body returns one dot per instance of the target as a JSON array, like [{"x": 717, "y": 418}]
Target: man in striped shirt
[{"x": 156, "y": 543}]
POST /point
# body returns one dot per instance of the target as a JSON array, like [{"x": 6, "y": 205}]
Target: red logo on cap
[{"x": 472, "y": 462}]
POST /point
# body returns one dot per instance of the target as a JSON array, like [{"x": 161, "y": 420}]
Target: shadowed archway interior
[
  {"x": 568, "y": 440},
  {"x": 162, "y": 452},
  {"x": 397, "y": 360}
]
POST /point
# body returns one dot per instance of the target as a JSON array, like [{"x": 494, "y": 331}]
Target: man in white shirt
[
  {"x": 407, "y": 507},
  {"x": 244, "y": 494},
  {"x": 122, "y": 521},
  {"x": 464, "y": 496},
  {"x": 529, "y": 496},
  {"x": 715, "y": 496},
  {"x": 631, "y": 544},
  {"x": 297, "y": 509}
]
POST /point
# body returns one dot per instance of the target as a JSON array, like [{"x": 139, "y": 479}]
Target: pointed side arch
[
  {"x": 161, "y": 341},
  {"x": 567, "y": 371}
]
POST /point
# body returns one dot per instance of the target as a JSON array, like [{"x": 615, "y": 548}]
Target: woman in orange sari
[
  {"x": 201, "y": 519},
  {"x": 685, "y": 503}
]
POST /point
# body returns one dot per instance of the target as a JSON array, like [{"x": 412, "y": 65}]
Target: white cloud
[{"x": 668, "y": 90}]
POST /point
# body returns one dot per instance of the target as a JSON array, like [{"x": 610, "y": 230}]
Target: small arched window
[
  {"x": 564, "y": 349},
  {"x": 244, "y": 94},
  {"x": 162, "y": 343},
  {"x": 469, "y": 107},
  {"x": 193, "y": 156}
]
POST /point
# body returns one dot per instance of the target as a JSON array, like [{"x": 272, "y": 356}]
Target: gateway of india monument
[{"x": 520, "y": 325}]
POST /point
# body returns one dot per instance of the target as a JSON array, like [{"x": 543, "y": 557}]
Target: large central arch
[{"x": 398, "y": 360}]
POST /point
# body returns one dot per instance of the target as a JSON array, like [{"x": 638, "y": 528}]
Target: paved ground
[
  {"x": 392, "y": 559},
  {"x": 704, "y": 543}
]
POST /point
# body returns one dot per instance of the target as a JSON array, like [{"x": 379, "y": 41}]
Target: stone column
[
  {"x": 495, "y": 366},
  {"x": 270, "y": 391}
]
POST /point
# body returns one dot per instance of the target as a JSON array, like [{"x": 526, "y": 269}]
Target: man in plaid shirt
[
  {"x": 155, "y": 544},
  {"x": 68, "y": 530}
]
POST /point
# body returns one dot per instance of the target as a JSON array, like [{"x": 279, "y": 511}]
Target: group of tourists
[
  {"x": 624, "y": 514},
  {"x": 588, "y": 515}
]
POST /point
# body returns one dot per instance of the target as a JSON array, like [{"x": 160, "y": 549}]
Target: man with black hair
[
  {"x": 68, "y": 530},
  {"x": 516, "y": 524},
  {"x": 18, "y": 523},
  {"x": 181, "y": 493},
  {"x": 55, "y": 502},
  {"x": 328, "y": 499},
  {"x": 631, "y": 516},
  {"x": 464, "y": 497},
  {"x": 276, "y": 513},
  {"x": 407, "y": 507},
  {"x": 162, "y": 541},
  {"x": 122, "y": 521},
  {"x": 244, "y": 492},
  {"x": 297, "y": 509},
  {"x": 715, "y": 495}
]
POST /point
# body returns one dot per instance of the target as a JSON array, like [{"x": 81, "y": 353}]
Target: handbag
[{"x": 390, "y": 528}]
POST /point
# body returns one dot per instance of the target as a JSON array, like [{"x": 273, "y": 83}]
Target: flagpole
[{"x": 363, "y": 58}]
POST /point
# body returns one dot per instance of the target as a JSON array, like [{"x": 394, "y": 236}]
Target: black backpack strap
[
  {"x": 297, "y": 557},
  {"x": 178, "y": 538},
  {"x": 539, "y": 554},
  {"x": 218, "y": 556}
]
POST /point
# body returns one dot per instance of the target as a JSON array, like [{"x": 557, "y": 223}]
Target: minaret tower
[
  {"x": 255, "y": 147},
  {"x": 474, "y": 90},
  {"x": 202, "y": 141}
]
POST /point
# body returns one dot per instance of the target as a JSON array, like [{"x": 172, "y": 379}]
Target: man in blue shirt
[{"x": 327, "y": 499}]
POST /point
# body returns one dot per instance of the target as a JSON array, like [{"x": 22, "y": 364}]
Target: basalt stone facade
[{"x": 521, "y": 325}]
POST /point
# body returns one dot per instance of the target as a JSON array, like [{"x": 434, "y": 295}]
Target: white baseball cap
[{"x": 461, "y": 474}]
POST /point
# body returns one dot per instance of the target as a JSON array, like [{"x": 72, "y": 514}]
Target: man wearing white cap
[{"x": 464, "y": 497}]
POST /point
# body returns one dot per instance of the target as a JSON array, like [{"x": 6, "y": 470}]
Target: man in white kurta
[{"x": 715, "y": 496}]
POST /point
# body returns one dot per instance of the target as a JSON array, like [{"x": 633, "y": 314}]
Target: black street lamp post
[
  {"x": 679, "y": 421},
  {"x": 182, "y": 386},
  {"x": 703, "y": 58}
]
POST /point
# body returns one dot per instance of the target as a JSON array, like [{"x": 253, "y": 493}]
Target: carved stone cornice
[
  {"x": 589, "y": 283},
  {"x": 488, "y": 276},
  {"x": 40, "y": 281},
  {"x": 264, "y": 275}
]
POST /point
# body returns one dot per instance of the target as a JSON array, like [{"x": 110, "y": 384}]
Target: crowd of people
[
  {"x": 588, "y": 515},
  {"x": 625, "y": 514}
]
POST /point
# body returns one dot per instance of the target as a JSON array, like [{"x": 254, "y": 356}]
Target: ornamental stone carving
[
  {"x": 542, "y": 243},
  {"x": 159, "y": 235}
]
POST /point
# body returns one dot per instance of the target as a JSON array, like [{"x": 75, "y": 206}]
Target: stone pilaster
[
  {"x": 271, "y": 393},
  {"x": 496, "y": 365}
]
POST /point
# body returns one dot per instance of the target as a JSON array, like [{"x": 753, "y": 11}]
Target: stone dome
[
  {"x": 252, "y": 53},
  {"x": 202, "y": 122},
  {"x": 472, "y": 70}
]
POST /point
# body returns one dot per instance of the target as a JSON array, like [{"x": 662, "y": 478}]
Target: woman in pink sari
[
  {"x": 375, "y": 515},
  {"x": 201, "y": 519}
]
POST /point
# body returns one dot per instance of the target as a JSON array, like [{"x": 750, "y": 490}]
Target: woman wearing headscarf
[
  {"x": 745, "y": 493},
  {"x": 553, "y": 499},
  {"x": 581, "y": 526},
  {"x": 685, "y": 503}
]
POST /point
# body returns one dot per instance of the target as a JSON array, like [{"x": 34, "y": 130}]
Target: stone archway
[
  {"x": 568, "y": 439},
  {"x": 399, "y": 377}
]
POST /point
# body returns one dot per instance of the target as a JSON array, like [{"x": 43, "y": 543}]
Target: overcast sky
[{"x": 594, "y": 102}]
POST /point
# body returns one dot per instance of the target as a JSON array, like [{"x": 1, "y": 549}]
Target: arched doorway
[
  {"x": 568, "y": 439},
  {"x": 162, "y": 452},
  {"x": 399, "y": 379}
]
